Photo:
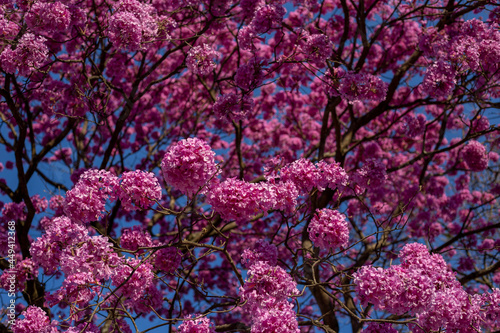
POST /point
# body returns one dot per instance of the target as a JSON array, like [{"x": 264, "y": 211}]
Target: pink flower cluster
[
  {"x": 24, "y": 270},
  {"x": 238, "y": 200},
  {"x": 35, "y": 320},
  {"x": 439, "y": 80},
  {"x": 250, "y": 75},
  {"x": 28, "y": 56},
  {"x": 138, "y": 190},
  {"x": 424, "y": 286},
  {"x": 200, "y": 59},
  {"x": 189, "y": 165},
  {"x": 371, "y": 175},
  {"x": 48, "y": 17},
  {"x": 86, "y": 201},
  {"x": 168, "y": 259},
  {"x": 475, "y": 156},
  {"x": 200, "y": 325},
  {"x": 265, "y": 18},
  {"x": 233, "y": 107},
  {"x": 318, "y": 49},
  {"x": 263, "y": 251},
  {"x": 266, "y": 292},
  {"x": 133, "y": 278},
  {"x": 305, "y": 175},
  {"x": 414, "y": 125},
  {"x": 362, "y": 87},
  {"x": 67, "y": 244},
  {"x": 132, "y": 25},
  {"x": 132, "y": 239},
  {"x": 267, "y": 285},
  {"x": 328, "y": 229},
  {"x": 374, "y": 327},
  {"x": 279, "y": 319}
]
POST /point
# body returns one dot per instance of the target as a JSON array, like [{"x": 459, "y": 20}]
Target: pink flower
[
  {"x": 439, "y": 80},
  {"x": 302, "y": 173},
  {"x": 250, "y": 75},
  {"x": 138, "y": 190},
  {"x": 318, "y": 49},
  {"x": 200, "y": 325},
  {"x": 85, "y": 202},
  {"x": 233, "y": 107},
  {"x": 280, "y": 319},
  {"x": 266, "y": 286},
  {"x": 29, "y": 55},
  {"x": 262, "y": 251},
  {"x": 475, "y": 156},
  {"x": 200, "y": 59},
  {"x": 379, "y": 328},
  {"x": 48, "y": 17},
  {"x": 238, "y": 200},
  {"x": 328, "y": 229},
  {"x": 35, "y": 320},
  {"x": 267, "y": 17},
  {"x": 360, "y": 87},
  {"x": 168, "y": 259},
  {"x": 371, "y": 175},
  {"x": 189, "y": 165}
]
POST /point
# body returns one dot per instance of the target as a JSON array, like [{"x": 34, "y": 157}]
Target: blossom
[
  {"x": 238, "y": 200},
  {"x": 262, "y": 251},
  {"x": 29, "y": 55},
  {"x": 328, "y": 229},
  {"x": 189, "y": 165},
  {"x": 371, "y": 175},
  {"x": 318, "y": 48},
  {"x": 475, "y": 156},
  {"x": 360, "y": 87},
  {"x": 250, "y": 75},
  {"x": 132, "y": 239},
  {"x": 374, "y": 327},
  {"x": 278, "y": 319},
  {"x": 168, "y": 259},
  {"x": 266, "y": 286},
  {"x": 267, "y": 17},
  {"x": 133, "y": 277},
  {"x": 414, "y": 125},
  {"x": 86, "y": 201},
  {"x": 132, "y": 25},
  {"x": 35, "y": 320},
  {"x": 233, "y": 107},
  {"x": 439, "y": 80},
  {"x": 200, "y": 59},
  {"x": 125, "y": 31},
  {"x": 331, "y": 175},
  {"x": 48, "y": 17},
  {"x": 302, "y": 173},
  {"x": 138, "y": 190},
  {"x": 200, "y": 325}
]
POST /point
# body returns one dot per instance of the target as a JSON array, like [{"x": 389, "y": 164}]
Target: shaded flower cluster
[
  {"x": 200, "y": 59},
  {"x": 48, "y": 17},
  {"x": 29, "y": 55},
  {"x": 132, "y": 25},
  {"x": 475, "y": 156},
  {"x": 233, "y": 107}
]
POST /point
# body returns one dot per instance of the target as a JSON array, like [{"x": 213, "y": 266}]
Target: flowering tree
[{"x": 250, "y": 166}]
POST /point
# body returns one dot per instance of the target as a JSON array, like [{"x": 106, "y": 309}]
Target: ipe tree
[{"x": 250, "y": 166}]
